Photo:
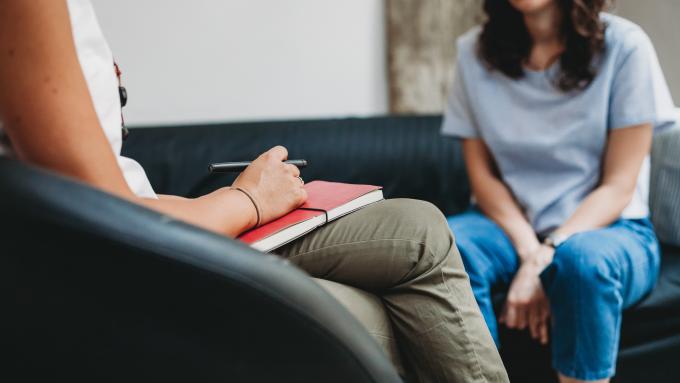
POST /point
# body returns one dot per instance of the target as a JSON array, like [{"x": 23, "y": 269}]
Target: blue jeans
[{"x": 593, "y": 277}]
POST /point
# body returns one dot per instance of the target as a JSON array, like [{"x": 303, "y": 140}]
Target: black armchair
[{"x": 100, "y": 289}]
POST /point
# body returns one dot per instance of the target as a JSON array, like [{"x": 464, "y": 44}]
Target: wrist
[
  {"x": 249, "y": 210},
  {"x": 541, "y": 258},
  {"x": 526, "y": 250}
]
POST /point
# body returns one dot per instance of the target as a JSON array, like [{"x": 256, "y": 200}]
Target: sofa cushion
[{"x": 665, "y": 187}]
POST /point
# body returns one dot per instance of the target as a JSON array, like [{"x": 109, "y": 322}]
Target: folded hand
[{"x": 526, "y": 304}]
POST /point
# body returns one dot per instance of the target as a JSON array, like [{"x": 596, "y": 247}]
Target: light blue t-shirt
[{"x": 549, "y": 145}]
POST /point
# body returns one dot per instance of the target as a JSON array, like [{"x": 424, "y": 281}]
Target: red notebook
[{"x": 326, "y": 202}]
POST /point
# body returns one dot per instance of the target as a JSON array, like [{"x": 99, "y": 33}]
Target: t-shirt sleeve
[
  {"x": 640, "y": 94},
  {"x": 458, "y": 117},
  {"x": 136, "y": 178}
]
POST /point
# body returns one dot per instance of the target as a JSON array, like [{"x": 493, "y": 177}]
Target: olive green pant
[{"x": 403, "y": 253}]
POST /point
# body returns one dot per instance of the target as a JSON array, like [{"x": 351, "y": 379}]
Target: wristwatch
[{"x": 554, "y": 240}]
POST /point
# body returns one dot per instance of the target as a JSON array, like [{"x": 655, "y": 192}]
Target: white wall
[{"x": 219, "y": 60}]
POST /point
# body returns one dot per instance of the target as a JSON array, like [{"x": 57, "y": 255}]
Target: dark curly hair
[{"x": 505, "y": 44}]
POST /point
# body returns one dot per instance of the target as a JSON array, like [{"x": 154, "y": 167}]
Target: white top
[
  {"x": 96, "y": 61},
  {"x": 549, "y": 144}
]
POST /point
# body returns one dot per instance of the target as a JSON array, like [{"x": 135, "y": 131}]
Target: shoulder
[
  {"x": 466, "y": 47},
  {"x": 466, "y": 44},
  {"x": 623, "y": 37}
]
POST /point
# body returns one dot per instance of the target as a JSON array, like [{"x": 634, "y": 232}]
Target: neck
[{"x": 544, "y": 25}]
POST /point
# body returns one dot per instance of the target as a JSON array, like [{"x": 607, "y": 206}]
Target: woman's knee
[
  {"x": 473, "y": 230},
  {"x": 470, "y": 223},
  {"x": 584, "y": 261}
]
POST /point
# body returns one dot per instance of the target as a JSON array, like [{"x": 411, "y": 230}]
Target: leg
[
  {"x": 489, "y": 258},
  {"x": 593, "y": 277},
  {"x": 370, "y": 311},
  {"x": 403, "y": 251}
]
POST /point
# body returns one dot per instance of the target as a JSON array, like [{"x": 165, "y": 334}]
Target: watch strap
[{"x": 554, "y": 240}]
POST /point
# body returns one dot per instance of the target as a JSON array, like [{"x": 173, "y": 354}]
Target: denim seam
[{"x": 572, "y": 357}]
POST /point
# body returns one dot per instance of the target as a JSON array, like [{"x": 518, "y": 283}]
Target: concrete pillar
[{"x": 421, "y": 45}]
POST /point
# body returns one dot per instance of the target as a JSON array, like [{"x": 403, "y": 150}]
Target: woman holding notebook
[
  {"x": 60, "y": 109},
  {"x": 556, "y": 103}
]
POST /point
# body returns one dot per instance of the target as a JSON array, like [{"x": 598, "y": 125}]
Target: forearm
[
  {"x": 626, "y": 151},
  {"x": 496, "y": 201},
  {"x": 227, "y": 212},
  {"x": 602, "y": 207}
]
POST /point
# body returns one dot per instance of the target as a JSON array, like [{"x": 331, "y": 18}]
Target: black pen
[{"x": 237, "y": 167}]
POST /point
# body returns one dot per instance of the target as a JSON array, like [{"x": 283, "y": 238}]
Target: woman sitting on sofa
[
  {"x": 60, "y": 110},
  {"x": 556, "y": 103}
]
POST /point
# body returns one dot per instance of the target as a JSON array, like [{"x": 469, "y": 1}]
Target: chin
[{"x": 531, "y": 6}]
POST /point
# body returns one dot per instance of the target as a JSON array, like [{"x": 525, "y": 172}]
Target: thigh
[
  {"x": 624, "y": 255},
  {"x": 374, "y": 248},
  {"x": 486, "y": 250}
]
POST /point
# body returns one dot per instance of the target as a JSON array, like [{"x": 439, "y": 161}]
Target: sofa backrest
[
  {"x": 406, "y": 155},
  {"x": 664, "y": 196}
]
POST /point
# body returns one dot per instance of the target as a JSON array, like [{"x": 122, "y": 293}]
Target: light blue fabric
[
  {"x": 548, "y": 144},
  {"x": 593, "y": 277}
]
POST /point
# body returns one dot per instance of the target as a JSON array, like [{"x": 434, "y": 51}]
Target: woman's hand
[
  {"x": 527, "y": 304},
  {"x": 273, "y": 184}
]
